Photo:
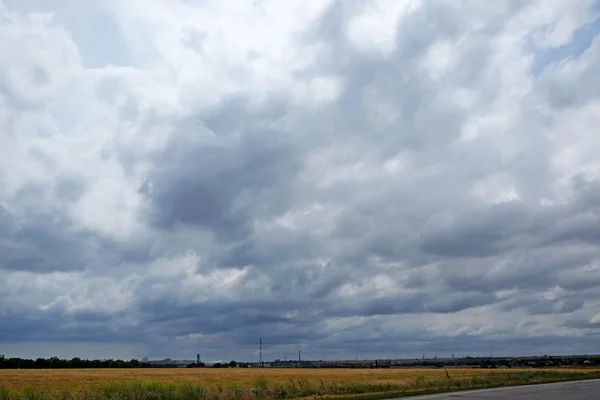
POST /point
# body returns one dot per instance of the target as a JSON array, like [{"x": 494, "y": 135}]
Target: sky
[{"x": 385, "y": 178}]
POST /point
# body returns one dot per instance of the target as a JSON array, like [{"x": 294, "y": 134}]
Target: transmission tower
[{"x": 260, "y": 359}]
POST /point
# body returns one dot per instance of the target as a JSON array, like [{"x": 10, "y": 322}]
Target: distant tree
[{"x": 233, "y": 363}]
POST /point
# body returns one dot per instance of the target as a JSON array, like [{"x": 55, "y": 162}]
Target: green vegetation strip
[{"x": 300, "y": 388}]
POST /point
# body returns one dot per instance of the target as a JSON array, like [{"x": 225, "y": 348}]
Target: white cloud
[{"x": 375, "y": 26}]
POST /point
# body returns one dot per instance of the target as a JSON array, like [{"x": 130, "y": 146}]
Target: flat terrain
[
  {"x": 581, "y": 390},
  {"x": 253, "y": 384},
  {"x": 212, "y": 377}
]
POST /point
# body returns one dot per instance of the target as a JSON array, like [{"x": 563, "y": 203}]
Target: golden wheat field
[{"x": 74, "y": 379}]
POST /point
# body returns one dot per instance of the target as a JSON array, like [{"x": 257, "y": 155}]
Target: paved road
[{"x": 580, "y": 390}]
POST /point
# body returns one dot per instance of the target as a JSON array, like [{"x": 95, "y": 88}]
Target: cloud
[
  {"x": 349, "y": 178},
  {"x": 220, "y": 185}
]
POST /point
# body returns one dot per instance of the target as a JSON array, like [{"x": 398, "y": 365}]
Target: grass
[{"x": 265, "y": 384}]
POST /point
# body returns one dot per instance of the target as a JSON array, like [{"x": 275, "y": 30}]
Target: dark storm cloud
[
  {"x": 44, "y": 244},
  {"x": 162, "y": 311},
  {"x": 221, "y": 185},
  {"x": 454, "y": 302},
  {"x": 492, "y": 233},
  {"x": 480, "y": 234},
  {"x": 518, "y": 269},
  {"x": 534, "y": 246},
  {"x": 50, "y": 241},
  {"x": 579, "y": 279},
  {"x": 409, "y": 304},
  {"x": 580, "y": 222},
  {"x": 536, "y": 305},
  {"x": 54, "y": 325},
  {"x": 578, "y": 322},
  {"x": 265, "y": 251},
  {"x": 279, "y": 319},
  {"x": 241, "y": 321}
]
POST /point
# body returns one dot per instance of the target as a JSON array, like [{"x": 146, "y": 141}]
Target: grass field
[{"x": 251, "y": 384}]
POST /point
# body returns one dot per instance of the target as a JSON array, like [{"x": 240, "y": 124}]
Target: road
[{"x": 578, "y": 390}]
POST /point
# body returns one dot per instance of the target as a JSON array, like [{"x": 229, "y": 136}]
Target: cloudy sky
[{"x": 351, "y": 178}]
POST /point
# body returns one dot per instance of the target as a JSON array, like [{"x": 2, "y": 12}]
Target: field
[{"x": 254, "y": 384}]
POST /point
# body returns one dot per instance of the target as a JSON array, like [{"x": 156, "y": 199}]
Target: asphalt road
[{"x": 579, "y": 390}]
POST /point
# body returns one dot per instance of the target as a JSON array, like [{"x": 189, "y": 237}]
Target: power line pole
[{"x": 260, "y": 358}]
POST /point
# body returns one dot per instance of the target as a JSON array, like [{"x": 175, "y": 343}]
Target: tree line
[
  {"x": 59, "y": 363},
  {"x": 230, "y": 364}
]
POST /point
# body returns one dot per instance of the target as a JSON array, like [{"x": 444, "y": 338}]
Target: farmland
[{"x": 249, "y": 384}]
